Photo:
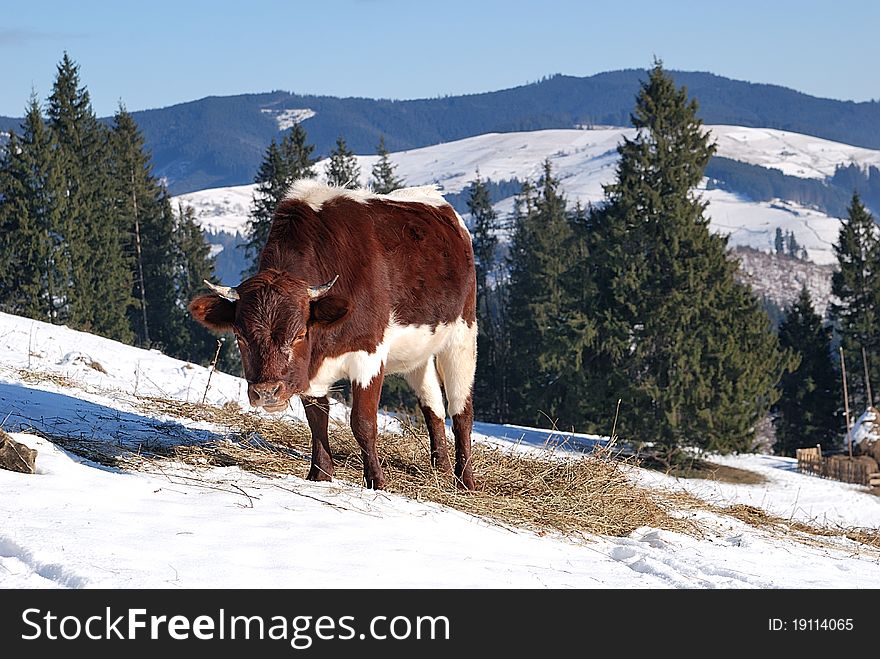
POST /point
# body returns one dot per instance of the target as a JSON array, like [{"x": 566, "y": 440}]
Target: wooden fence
[
  {"x": 839, "y": 467},
  {"x": 809, "y": 460}
]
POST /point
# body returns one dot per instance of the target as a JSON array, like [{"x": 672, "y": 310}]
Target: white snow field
[{"x": 77, "y": 524}]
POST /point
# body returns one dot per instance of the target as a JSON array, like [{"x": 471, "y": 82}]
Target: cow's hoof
[
  {"x": 442, "y": 464},
  {"x": 468, "y": 484},
  {"x": 317, "y": 474},
  {"x": 374, "y": 483},
  {"x": 466, "y": 480}
]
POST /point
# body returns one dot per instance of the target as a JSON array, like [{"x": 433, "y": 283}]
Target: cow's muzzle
[{"x": 271, "y": 396}]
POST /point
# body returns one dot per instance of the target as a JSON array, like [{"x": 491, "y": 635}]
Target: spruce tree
[
  {"x": 538, "y": 306},
  {"x": 524, "y": 335},
  {"x": 856, "y": 286},
  {"x": 686, "y": 347},
  {"x": 297, "y": 154},
  {"x": 384, "y": 179},
  {"x": 139, "y": 199},
  {"x": 100, "y": 276},
  {"x": 272, "y": 184},
  {"x": 193, "y": 265},
  {"x": 342, "y": 169},
  {"x": 793, "y": 247},
  {"x": 33, "y": 270},
  {"x": 577, "y": 325},
  {"x": 489, "y": 385},
  {"x": 282, "y": 164},
  {"x": 806, "y": 413}
]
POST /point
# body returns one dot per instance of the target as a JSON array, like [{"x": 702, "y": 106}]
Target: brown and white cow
[{"x": 354, "y": 285}]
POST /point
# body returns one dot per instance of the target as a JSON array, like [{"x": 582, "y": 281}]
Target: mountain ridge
[{"x": 220, "y": 140}]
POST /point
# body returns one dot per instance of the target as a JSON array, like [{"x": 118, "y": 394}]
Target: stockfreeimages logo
[{"x": 299, "y": 631}]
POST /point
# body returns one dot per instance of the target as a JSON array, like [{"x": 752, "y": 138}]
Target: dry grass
[
  {"x": 28, "y": 375},
  {"x": 809, "y": 532},
  {"x": 589, "y": 495},
  {"x": 576, "y": 497}
]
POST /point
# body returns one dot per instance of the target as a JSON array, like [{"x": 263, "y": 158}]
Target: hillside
[
  {"x": 116, "y": 502},
  {"x": 584, "y": 160},
  {"x": 219, "y": 141},
  {"x": 779, "y": 278}
]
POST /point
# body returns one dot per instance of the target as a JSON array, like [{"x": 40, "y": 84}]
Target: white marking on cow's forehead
[{"x": 315, "y": 194}]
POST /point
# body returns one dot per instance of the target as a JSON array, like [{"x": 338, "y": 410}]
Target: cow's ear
[
  {"x": 328, "y": 310},
  {"x": 213, "y": 312}
]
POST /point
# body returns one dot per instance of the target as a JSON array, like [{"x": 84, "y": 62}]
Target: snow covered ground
[
  {"x": 77, "y": 524},
  {"x": 584, "y": 160}
]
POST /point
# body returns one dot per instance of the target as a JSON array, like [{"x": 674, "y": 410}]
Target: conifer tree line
[
  {"x": 626, "y": 313},
  {"x": 811, "y": 408},
  {"x": 635, "y": 300},
  {"x": 88, "y": 235}
]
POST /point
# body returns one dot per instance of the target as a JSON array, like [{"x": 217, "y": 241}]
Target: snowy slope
[
  {"x": 793, "y": 154},
  {"x": 76, "y": 524},
  {"x": 584, "y": 160}
]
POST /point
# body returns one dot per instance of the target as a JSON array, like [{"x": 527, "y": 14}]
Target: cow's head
[{"x": 274, "y": 317}]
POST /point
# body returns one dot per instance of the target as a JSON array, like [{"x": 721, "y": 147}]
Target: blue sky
[{"x": 158, "y": 53}]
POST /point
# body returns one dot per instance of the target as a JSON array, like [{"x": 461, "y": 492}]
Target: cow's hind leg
[
  {"x": 318, "y": 415},
  {"x": 457, "y": 364},
  {"x": 426, "y": 384},
  {"x": 364, "y": 426}
]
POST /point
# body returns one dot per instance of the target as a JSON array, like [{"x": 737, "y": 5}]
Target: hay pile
[
  {"x": 587, "y": 495},
  {"x": 573, "y": 496}
]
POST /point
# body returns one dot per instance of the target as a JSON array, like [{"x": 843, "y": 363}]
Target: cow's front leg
[
  {"x": 318, "y": 415},
  {"x": 364, "y": 426}
]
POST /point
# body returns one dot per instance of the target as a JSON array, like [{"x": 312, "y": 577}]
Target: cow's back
[{"x": 394, "y": 253}]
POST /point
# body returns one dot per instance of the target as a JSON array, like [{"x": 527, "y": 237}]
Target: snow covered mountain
[{"x": 585, "y": 160}]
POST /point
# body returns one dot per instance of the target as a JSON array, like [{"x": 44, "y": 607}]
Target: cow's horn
[
  {"x": 319, "y": 291},
  {"x": 226, "y": 292}
]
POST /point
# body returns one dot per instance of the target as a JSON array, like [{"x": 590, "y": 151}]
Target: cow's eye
[{"x": 299, "y": 337}]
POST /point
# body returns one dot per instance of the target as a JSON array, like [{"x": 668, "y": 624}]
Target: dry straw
[{"x": 573, "y": 495}]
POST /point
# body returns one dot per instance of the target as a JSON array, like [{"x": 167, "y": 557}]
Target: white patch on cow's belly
[{"x": 403, "y": 348}]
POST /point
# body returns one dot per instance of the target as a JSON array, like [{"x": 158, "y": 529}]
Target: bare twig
[{"x": 213, "y": 367}]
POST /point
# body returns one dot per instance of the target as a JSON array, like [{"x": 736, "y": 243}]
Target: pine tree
[
  {"x": 779, "y": 242},
  {"x": 100, "y": 294},
  {"x": 542, "y": 331},
  {"x": 686, "y": 347},
  {"x": 807, "y": 411},
  {"x": 282, "y": 165},
  {"x": 578, "y": 327},
  {"x": 856, "y": 286},
  {"x": 342, "y": 169},
  {"x": 32, "y": 253},
  {"x": 384, "y": 178},
  {"x": 194, "y": 265},
  {"x": 524, "y": 335},
  {"x": 139, "y": 200},
  {"x": 271, "y": 183},
  {"x": 489, "y": 386},
  {"x": 792, "y": 246},
  {"x": 297, "y": 154}
]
